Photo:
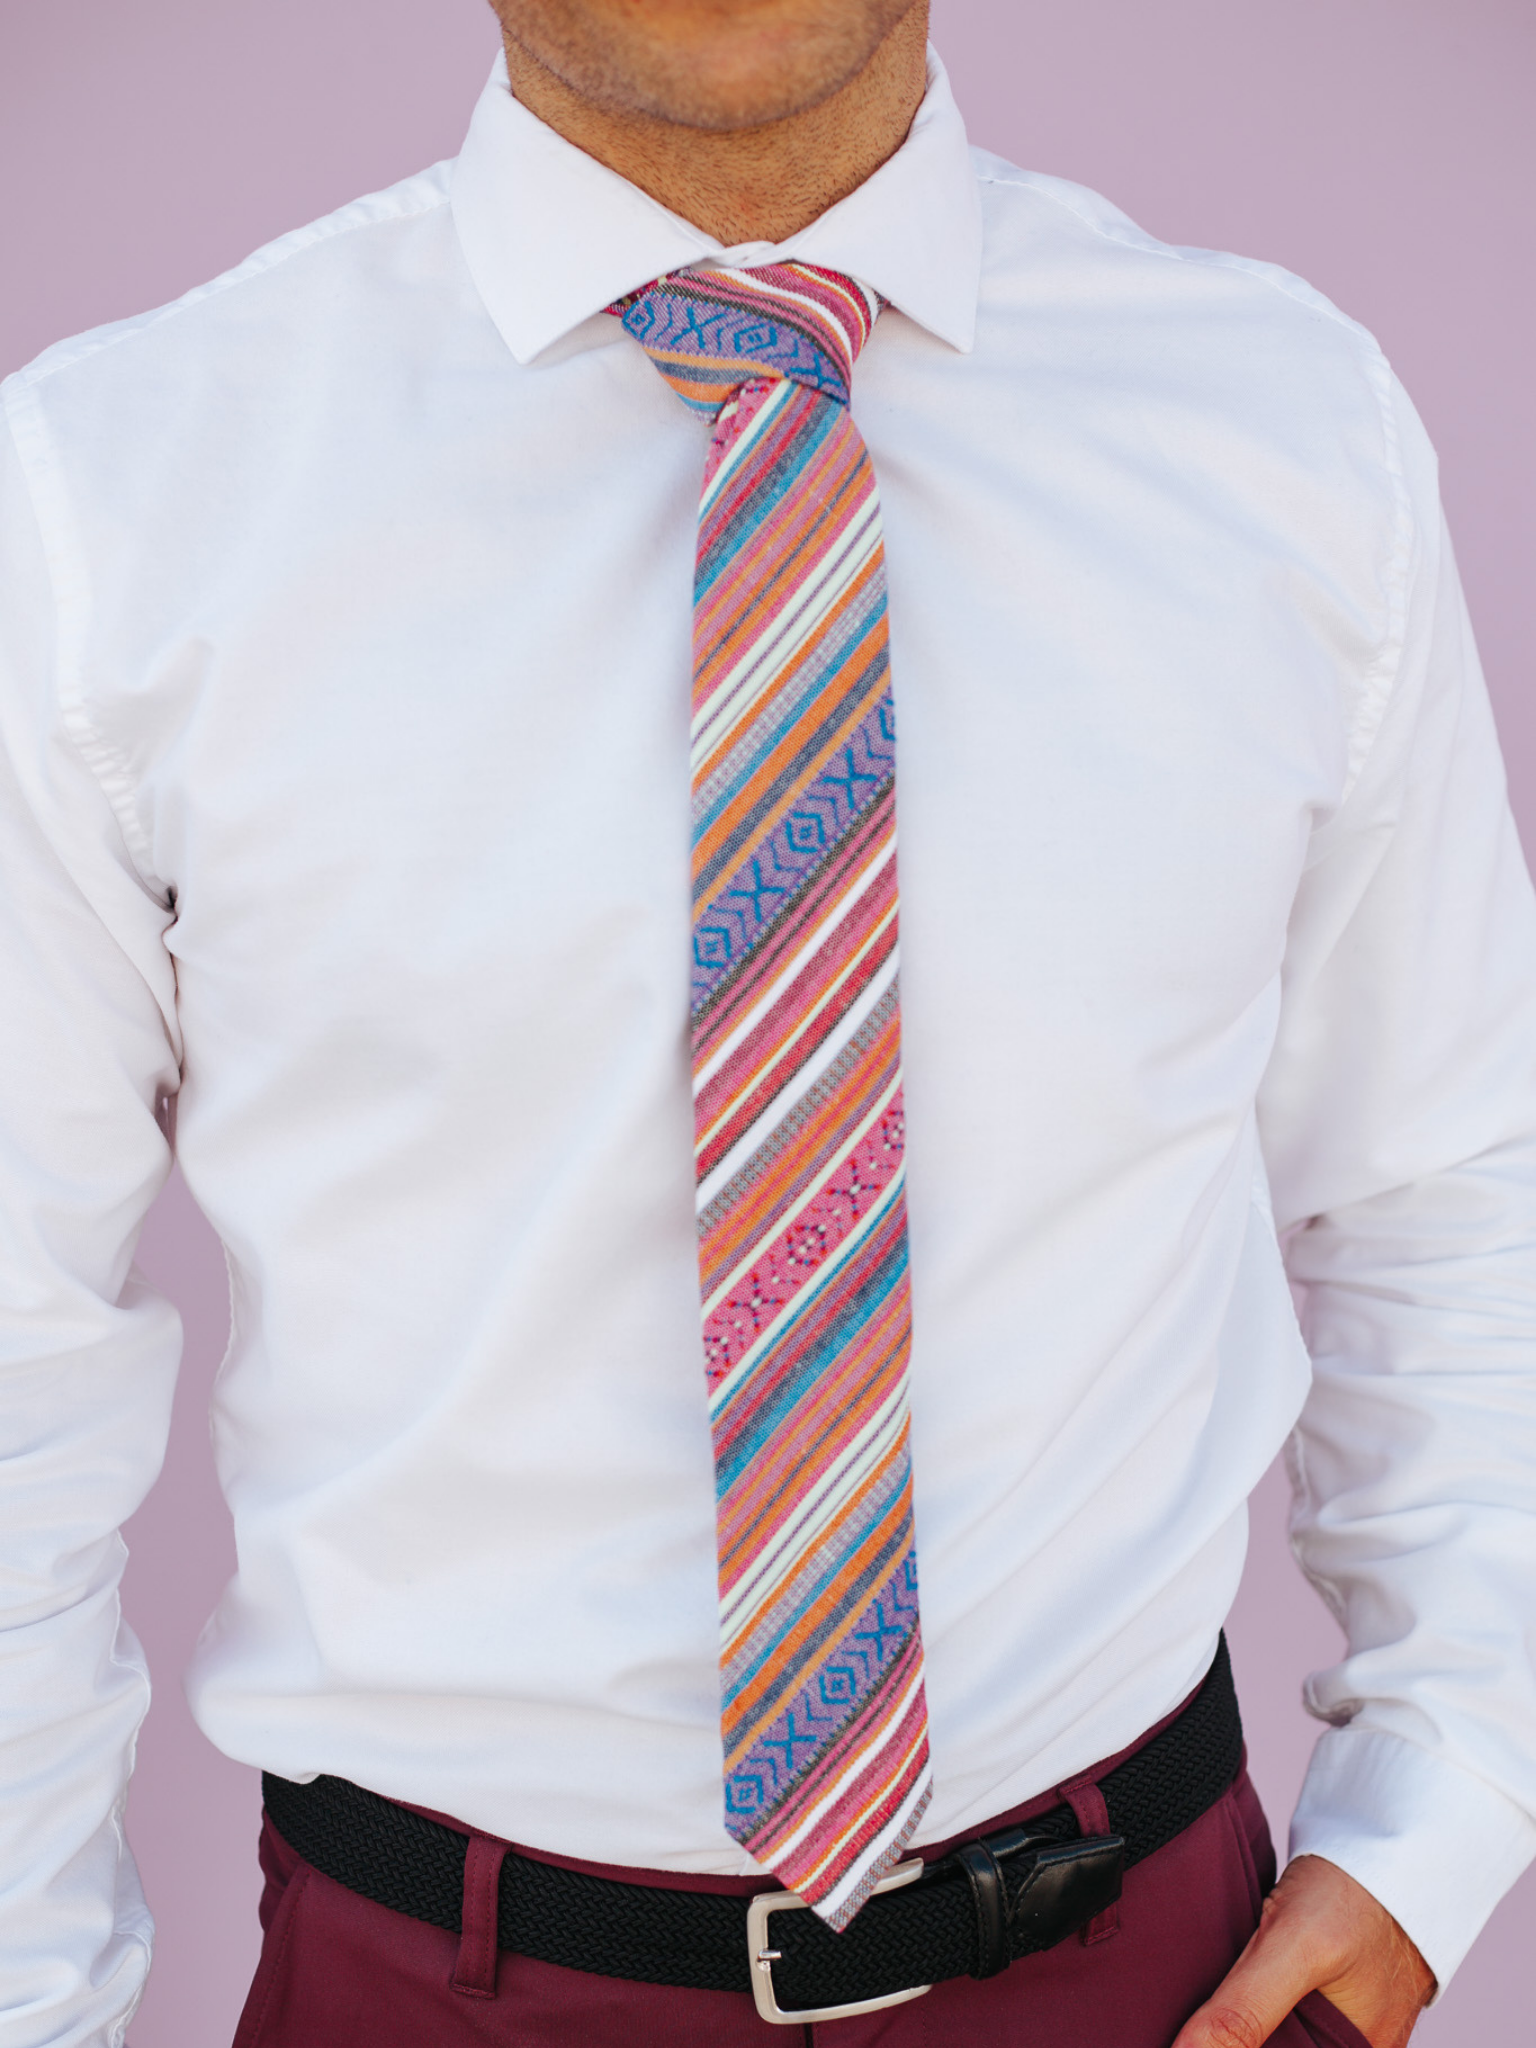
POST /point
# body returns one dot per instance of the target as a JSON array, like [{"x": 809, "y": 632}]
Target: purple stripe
[
  {"x": 843, "y": 1680},
  {"x": 760, "y": 891}
]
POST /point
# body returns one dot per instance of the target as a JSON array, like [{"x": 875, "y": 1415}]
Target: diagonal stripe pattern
[{"x": 799, "y": 1127}]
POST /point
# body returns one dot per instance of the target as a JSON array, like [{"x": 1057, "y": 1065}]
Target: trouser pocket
[
  {"x": 279, "y": 1915},
  {"x": 1326, "y": 2025}
]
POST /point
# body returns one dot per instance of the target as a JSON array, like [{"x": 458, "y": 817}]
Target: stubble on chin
[{"x": 716, "y": 65}]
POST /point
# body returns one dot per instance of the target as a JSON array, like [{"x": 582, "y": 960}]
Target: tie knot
[{"x": 711, "y": 331}]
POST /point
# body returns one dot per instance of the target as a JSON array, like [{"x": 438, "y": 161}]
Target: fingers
[
  {"x": 1269, "y": 1979},
  {"x": 1320, "y": 1931}
]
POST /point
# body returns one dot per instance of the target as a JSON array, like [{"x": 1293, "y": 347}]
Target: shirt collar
[{"x": 552, "y": 236}]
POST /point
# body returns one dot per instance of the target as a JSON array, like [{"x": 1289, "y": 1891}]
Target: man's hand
[{"x": 1320, "y": 1931}]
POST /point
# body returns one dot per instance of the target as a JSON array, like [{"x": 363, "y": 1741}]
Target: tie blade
[
  {"x": 829, "y": 1793},
  {"x": 799, "y": 1120}
]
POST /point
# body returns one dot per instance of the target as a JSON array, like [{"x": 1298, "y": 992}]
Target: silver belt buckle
[{"x": 764, "y": 1956}]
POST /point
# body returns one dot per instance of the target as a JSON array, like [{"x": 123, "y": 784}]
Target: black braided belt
[{"x": 981, "y": 1907}]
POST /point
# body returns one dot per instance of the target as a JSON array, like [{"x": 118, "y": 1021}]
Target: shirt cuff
[{"x": 1437, "y": 1845}]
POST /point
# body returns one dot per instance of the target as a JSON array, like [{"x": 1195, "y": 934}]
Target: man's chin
[
  {"x": 728, "y": 111},
  {"x": 719, "y": 76}
]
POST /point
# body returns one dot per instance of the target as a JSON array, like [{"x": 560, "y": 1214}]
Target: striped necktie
[{"x": 799, "y": 1127}]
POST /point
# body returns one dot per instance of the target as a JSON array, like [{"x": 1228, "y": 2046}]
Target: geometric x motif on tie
[{"x": 796, "y": 1032}]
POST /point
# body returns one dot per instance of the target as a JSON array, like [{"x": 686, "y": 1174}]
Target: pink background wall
[{"x": 1383, "y": 148}]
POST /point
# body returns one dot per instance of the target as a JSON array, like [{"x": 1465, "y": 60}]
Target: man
[{"x": 351, "y": 801}]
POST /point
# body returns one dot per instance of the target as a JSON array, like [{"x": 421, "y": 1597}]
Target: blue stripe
[
  {"x": 770, "y": 487},
  {"x": 836, "y": 1627},
  {"x": 837, "y": 716},
  {"x": 794, "y": 701},
  {"x": 727, "y": 927},
  {"x": 845, "y": 1610},
  {"x": 892, "y": 1193},
  {"x": 863, "y": 1304}
]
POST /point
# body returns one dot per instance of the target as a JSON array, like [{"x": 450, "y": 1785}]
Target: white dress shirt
[{"x": 344, "y": 672}]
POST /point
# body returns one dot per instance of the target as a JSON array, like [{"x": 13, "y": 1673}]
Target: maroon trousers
[{"x": 337, "y": 1971}]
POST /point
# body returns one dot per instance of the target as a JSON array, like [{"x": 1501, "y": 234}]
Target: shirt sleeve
[
  {"x": 1399, "y": 1127},
  {"x": 88, "y": 1355}
]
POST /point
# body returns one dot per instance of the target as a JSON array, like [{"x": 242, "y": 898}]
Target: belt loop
[
  {"x": 1086, "y": 1800},
  {"x": 474, "y": 1974},
  {"x": 989, "y": 1897}
]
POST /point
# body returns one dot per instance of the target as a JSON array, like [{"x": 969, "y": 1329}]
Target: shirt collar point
[{"x": 552, "y": 237}]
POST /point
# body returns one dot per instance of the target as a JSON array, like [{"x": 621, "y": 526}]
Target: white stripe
[
  {"x": 730, "y": 711},
  {"x": 770, "y": 657},
  {"x": 776, "y": 293},
  {"x": 791, "y": 687},
  {"x": 790, "y": 1546},
  {"x": 876, "y": 1849},
  {"x": 767, "y": 411},
  {"x": 857, "y": 543},
  {"x": 725, "y": 1389},
  {"x": 799, "y": 1084},
  {"x": 748, "y": 1082},
  {"x": 859, "y": 886},
  {"x": 859, "y": 1763},
  {"x": 807, "y": 1195},
  {"x": 751, "y": 1358}
]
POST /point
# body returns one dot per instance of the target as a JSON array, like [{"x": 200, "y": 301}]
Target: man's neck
[{"x": 749, "y": 184}]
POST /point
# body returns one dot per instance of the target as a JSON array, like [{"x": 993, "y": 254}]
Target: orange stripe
[
  {"x": 790, "y": 1652},
  {"x": 742, "y": 1532},
  {"x": 800, "y": 1002},
  {"x": 824, "y": 887},
  {"x": 825, "y": 1129},
  {"x": 853, "y": 680},
  {"x": 778, "y": 1480},
  {"x": 826, "y": 1865},
  {"x": 743, "y": 602},
  {"x": 801, "y": 1036},
  {"x": 878, "y": 1711}
]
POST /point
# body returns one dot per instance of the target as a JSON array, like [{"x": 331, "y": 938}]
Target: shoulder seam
[
  {"x": 1296, "y": 289},
  {"x": 26, "y": 422},
  {"x": 107, "y": 771},
  {"x": 357, "y": 214},
  {"x": 1380, "y": 679},
  {"x": 1381, "y": 675}
]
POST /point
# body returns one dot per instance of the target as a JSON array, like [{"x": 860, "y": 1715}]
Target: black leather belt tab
[{"x": 972, "y": 1913}]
